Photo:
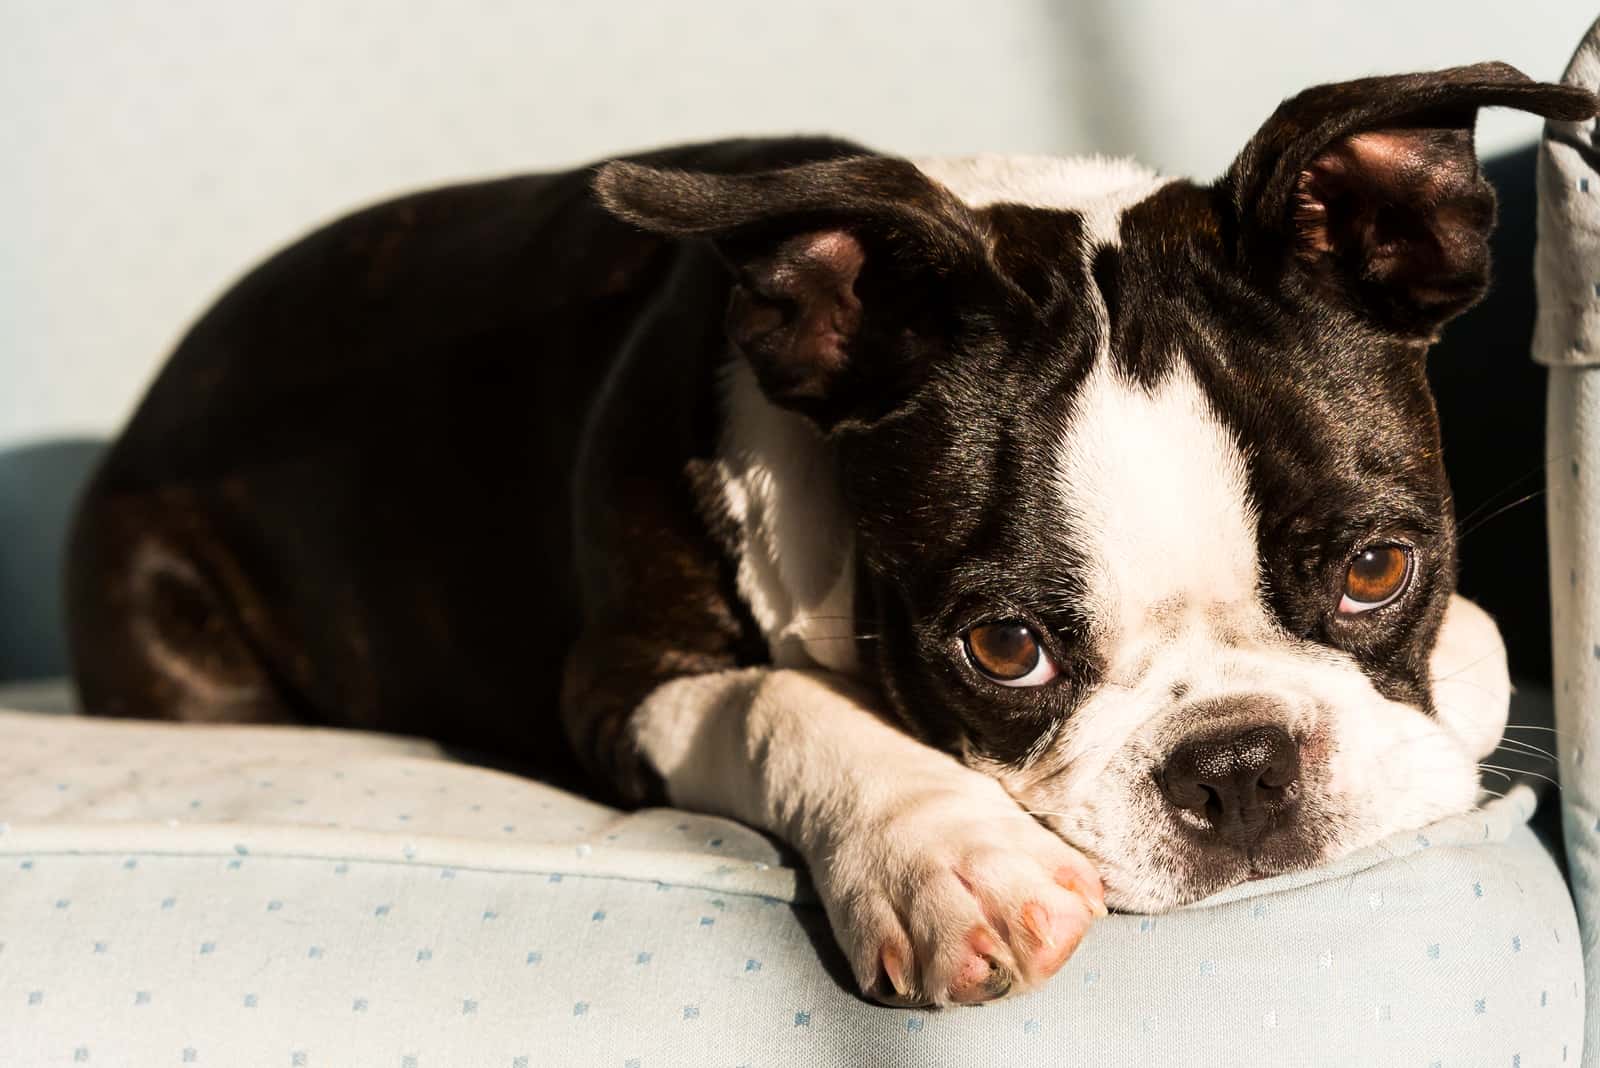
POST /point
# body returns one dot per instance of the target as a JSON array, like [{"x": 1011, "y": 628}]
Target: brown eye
[
  {"x": 1377, "y": 575},
  {"x": 1009, "y": 653}
]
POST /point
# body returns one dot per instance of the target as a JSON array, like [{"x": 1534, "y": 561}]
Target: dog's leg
[
  {"x": 939, "y": 887},
  {"x": 152, "y": 635}
]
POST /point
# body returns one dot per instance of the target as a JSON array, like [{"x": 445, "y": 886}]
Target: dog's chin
[
  {"x": 1169, "y": 869},
  {"x": 1210, "y": 872},
  {"x": 1183, "y": 872}
]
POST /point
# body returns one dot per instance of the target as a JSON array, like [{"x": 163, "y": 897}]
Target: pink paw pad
[
  {"x": 981, "y": 977},
  {"x": 1052, "y": 936}
]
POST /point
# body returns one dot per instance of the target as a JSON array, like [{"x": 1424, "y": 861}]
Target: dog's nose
[{"x": 1237, "y": 783}]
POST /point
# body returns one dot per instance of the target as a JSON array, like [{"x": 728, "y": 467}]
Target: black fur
[{"x": 440, "y": 454}]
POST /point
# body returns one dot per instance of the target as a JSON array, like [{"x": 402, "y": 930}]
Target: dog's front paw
[{"x": 956, "y": 902}]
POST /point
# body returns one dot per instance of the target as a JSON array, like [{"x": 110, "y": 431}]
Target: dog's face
[
  {"x": 1169, "y": 555},
  {"x": 1171, "y": 562},
  {"x": 1146, "y": 474}
]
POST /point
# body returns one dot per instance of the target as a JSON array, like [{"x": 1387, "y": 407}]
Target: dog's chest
[{"x": 796, "y": 563}]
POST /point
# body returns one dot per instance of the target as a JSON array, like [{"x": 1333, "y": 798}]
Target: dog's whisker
[
  {"x": 1464, "y": 667},
  {"x": 1490, "y": 501},
  {"x": 1498, "y": 512},
  {"x": 1527, "y": 749},
  {"x": 1502, "y": 770},
  {"x": 828, "y": 638},
  {"x": 835, "y": 619},
  {"x": 1414, "y": 739}
]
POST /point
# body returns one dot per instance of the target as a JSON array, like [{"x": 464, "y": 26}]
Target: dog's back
[{"x": 347, "y": 497}]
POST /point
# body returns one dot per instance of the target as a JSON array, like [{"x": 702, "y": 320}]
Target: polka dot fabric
[
  {"x": 294, "y": 918},
  {"x": 1567, "y": 338}
]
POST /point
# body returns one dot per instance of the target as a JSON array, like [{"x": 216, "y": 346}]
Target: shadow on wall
[{"x": 39, "y": 485}]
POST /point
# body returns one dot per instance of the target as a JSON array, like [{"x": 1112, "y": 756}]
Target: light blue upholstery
[
  {"x": 259, "y": 896},
  {"x": 1568, "y": 339}
]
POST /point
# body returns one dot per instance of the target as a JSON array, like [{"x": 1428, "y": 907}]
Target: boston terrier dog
[{"x": 1014, "y": 537}]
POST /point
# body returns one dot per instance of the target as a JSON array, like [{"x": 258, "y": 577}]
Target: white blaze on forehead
[
  {"x": 1155, "y": 496},
  {"x": 1098, "y": 188}
]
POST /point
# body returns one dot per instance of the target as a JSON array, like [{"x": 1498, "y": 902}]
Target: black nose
[{"x": 1237, "y": 783}]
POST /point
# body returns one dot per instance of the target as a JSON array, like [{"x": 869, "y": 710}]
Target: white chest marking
[{"x": 797, "y": 569}]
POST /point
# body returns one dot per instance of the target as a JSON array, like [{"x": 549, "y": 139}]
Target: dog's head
[{"x": 1146, "y": 473}]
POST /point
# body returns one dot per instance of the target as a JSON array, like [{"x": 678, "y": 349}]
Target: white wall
[{"x": 151, "y": 151}]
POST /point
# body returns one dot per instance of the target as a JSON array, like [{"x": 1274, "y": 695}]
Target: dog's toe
[
  {"x": 1050, "y": 934},
  {"x": 1040, "y": 921},
  {"x": 972, "y": 914},
  {"x": 982, "y": 975}
]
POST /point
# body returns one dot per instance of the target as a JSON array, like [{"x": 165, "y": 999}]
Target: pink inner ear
[
  {"x": 1348, "y": 183},
  {"x": 1386, "y": 149},
  {"x": 834, "y": 251},
  {"x": 817, "y": 273},
  {"x": 796, "y": 311}
]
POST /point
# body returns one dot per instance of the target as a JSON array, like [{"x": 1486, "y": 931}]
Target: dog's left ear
[
  {"x": 1370, "y": 189},
  {"x": 838, "y": 268}
]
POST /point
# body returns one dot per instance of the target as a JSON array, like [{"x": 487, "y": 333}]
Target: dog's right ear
[
  {"x": 837, "y": 268},
  {"x": 1370, "y": 191}
]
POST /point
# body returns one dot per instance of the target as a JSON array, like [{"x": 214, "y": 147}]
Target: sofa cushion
[{"x": 235, "y": 895}]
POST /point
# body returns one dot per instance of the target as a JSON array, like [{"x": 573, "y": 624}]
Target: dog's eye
[
  {"x": 1377, "y": 575},
  {"x": 1009, "y": 653}
]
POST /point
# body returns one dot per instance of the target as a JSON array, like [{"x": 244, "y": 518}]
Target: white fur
[
  {"x": 1154, "y": 495},
  {"x": 1471, "y": 680},
  {"x": 792, "y": 752},
  {"x": 797, "y": 571},
  {"x": 1388, "y": 765},
  {"x": 1098, "y": 187},
  {"x": 906, "y": 846}
]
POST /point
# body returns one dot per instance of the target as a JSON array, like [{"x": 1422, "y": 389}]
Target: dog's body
[{"x": 971, "y": 483}]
